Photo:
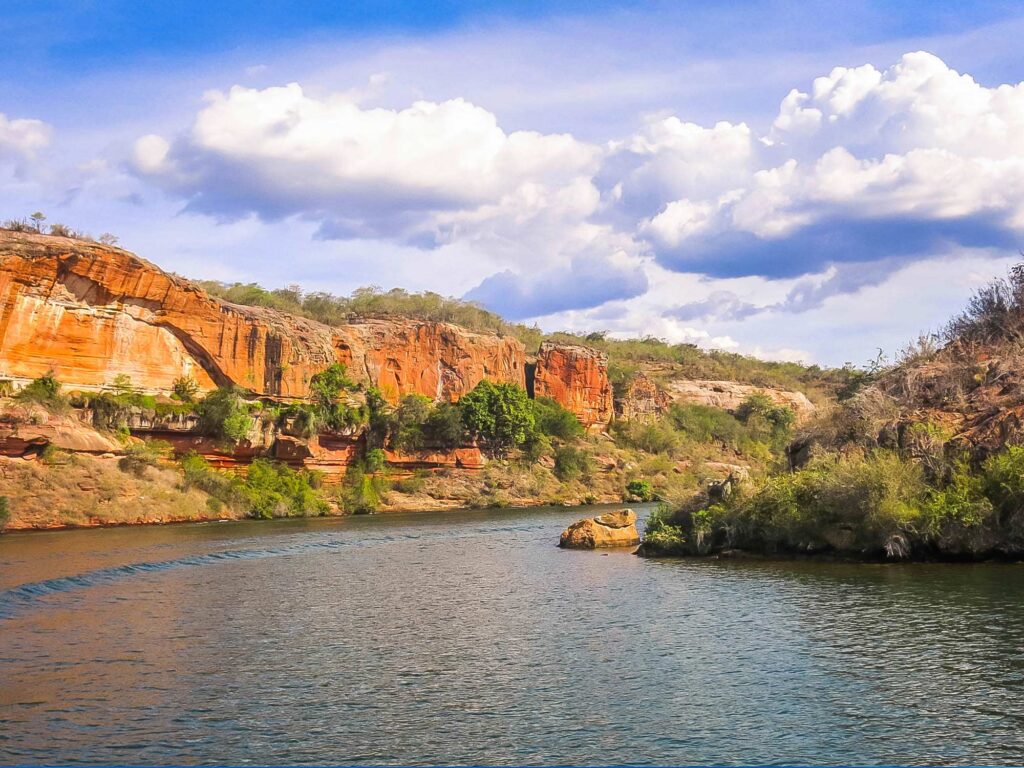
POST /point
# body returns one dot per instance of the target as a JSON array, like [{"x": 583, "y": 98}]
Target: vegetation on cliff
[{"x": 924, "y": 459}]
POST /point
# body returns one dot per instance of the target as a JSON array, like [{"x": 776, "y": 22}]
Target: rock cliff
[
  {"x": 729, "y": 395},
  {"x": 91, "y": 312},
  {"x": 576, "y": 377},
  {"x": 642, "y": 399}
]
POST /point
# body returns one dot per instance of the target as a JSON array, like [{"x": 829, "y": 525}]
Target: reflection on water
[{"x": 469, "y": 637}]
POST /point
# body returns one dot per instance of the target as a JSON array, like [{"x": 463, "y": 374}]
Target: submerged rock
[{"x": 613, "y": 529}]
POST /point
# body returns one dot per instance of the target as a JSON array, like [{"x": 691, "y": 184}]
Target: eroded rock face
[
  {"x": 729, "y": 395},
  {"x": 576, "y": 378},
  {"x": 612, "y": 529},
  {"x": 642, "y": 400},
  {"x": 26, "y": 430},
  {"x": 90, "y": 312}
]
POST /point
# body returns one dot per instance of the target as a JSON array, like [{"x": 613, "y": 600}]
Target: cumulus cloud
[
  {"x": 361, "y": 172},
  {"x": 21, "y": 139},
  {"x": 858, "y": 174},
  {"x": 865, "y": 165}
]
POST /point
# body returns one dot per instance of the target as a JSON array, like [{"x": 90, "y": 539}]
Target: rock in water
[{"x": 613, "y": 529}]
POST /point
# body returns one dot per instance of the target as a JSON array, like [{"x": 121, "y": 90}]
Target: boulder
[{"x": 612, "y": 529}]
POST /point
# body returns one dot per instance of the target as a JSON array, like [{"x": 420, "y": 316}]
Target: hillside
[
  {"x": 924, "y": 459},
  {"x": 108, "y": 361}
]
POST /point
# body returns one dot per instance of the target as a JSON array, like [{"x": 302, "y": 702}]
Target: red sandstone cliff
[
  {"x": 91, "y": 312},
  {"x": 577, "y": 378}
]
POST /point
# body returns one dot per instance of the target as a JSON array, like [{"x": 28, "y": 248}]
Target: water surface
[{"x": 469, "y": 637}]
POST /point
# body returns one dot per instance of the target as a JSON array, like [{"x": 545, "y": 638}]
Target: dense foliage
[
  {"x": 224, "y": 414},
  {"x": 499, "y": 416}
]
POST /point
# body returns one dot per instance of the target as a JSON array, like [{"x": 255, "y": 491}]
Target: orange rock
[
  {"x": 91, "y": 312},
  {"x": 575, "y": 377},
  {"x": 612, "y": 529},
  {"x": 432, "y": 458},
  {"x": 642, "y": 400}
]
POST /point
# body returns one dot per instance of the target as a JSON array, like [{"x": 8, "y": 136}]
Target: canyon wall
[
  {"x": 90, "y": 312},
  {"x": 576, "y": 377}
]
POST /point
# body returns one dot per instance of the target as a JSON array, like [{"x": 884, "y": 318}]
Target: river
[{"x": 470, "y": 638}]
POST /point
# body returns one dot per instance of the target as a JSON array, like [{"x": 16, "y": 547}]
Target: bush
[
  {"x": 272, "y": 490},
  {"x": 223, "y": 414},
  {"x": 659, "y": 437},
  {"x": 5, "y": 512},
  {"x": 197, "y": 473},
  {"x": 639, "y": 490},
  {"x": 412, "y": 484},
  {"x": 185, "y": 389},
  {"x": 662, "y": 536},
  {"x": 499, "y": 416},
  {"x": 553, "y": 420},
  {"x": 138, "y": 456},
  {"x": 362, "y": 492},
  {"x": 44, "y": 391},
  {"x": 572, "y": 463},
  {"x": 704, "y": 424}
]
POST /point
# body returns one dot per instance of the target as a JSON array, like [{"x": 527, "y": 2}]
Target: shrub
[
  {"x": 185, "y": 389},
  {"x": 5, "y": 512},
  {"x": 704, "y": 424},
  {"x": 138, "y": 456},
  {"x": 45, "y": 391},
  {"x": 412, "y": 484},
  {"x": 223, "y": 414},
  {"x": 572, "y": 463},
  {"x": 536, "y": 447},
  {"x": 639, "y": 490},
  {"x": 662, "y": 535},
  {"x": 272, "y": 490},
  {"x": 994, "y": 313},
  {"x": 765, "y": 419},
  {"x": 362, "y": 492},
  {"x": 1003, "y": 478},
  {"x": 553, "y": 420},
  {"x": 659, "y": 437},
  {"x": 197, "y": 473},
  {"x": 499, "y": 416}
]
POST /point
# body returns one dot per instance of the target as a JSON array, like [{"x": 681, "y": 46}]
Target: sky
[{"x": 796, "y": 180}]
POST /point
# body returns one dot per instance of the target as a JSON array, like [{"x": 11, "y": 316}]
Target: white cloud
[
  {"x": 903, "y": 149},
  {"x": 361, "y": 171},
  {"x": 22, "y": 138}
]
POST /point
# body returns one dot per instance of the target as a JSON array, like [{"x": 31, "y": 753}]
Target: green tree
[
  {"x": 499, "y": 416},
  {"x": 224, "y": 414},
  {"x": 38, "y": 217},
  {"x": 444, "y": 427},
  {"x": 326, "y": 387},
  {"x": 407, "y": 427}
]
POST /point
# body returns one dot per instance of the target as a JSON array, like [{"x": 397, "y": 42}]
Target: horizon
[{"x": 782, "y": 190}]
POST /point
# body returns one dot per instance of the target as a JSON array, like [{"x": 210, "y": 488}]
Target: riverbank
[{"x": 70, "y": 491}]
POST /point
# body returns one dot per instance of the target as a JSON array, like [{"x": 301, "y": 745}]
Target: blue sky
[{"x": 792, "y": 179}]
